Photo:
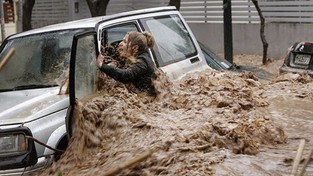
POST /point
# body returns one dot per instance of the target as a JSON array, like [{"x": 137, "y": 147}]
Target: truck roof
[{"x": 91, "y": 22}]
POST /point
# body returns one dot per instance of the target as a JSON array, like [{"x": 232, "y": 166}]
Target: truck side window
[
  {"x": 113, "y": 35},
  {"x": 85, "y": 69},
  {"x": 173, "y": 42}
]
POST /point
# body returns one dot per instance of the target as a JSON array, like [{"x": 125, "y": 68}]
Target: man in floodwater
[{"x": 140, "y": 70}]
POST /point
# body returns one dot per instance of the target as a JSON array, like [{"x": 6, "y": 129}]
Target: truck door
[{"x": 83, "y": 72}]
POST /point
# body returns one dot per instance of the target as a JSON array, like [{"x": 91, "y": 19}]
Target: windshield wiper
[{"x": 34, "y": 86}]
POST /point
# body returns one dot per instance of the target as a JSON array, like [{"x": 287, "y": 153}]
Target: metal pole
[
  {"x": 19, "y": 15},
  {"x": 2, "y": 21},
  {"x": 228, "y": 37}
]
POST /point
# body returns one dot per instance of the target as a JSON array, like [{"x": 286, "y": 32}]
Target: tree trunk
[
  {"x": 97, "y": 7},
  {"x": 265, "y": 44},
  {"x": 175, "y": 3},
  {"x": 27, "y": 14}
]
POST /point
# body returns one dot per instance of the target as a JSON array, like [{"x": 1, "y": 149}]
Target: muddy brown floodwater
[{"x": 207, "y": 123}]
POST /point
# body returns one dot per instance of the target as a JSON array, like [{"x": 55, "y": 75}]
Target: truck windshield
[{"x": 35, "y": 61}]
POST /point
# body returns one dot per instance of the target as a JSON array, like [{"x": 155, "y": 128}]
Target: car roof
[{"x": 91, "y": 22}]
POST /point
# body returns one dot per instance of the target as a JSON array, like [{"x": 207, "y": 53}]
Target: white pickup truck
[{"x": 43, "y": 71}]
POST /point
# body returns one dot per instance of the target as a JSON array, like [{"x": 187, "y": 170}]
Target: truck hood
[{"x": 26, "y": 105}]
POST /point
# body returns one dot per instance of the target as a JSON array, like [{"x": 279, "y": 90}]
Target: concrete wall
[
  {"x": 9, "y": 29},
  {"x": 246, "y": 37}
]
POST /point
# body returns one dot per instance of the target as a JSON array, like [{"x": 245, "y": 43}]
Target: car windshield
[{"x": 35, "y": 61}]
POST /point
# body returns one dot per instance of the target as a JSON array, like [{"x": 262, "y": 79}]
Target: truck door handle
[{"x": 193, "y": 60}]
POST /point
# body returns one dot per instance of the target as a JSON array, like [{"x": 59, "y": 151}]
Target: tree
[
  {"x": 175, "y": 3},
  {"x": 97, "y": 7},
  {"x": 265, "y": 44},
  {"x": 27, "y": 14}
]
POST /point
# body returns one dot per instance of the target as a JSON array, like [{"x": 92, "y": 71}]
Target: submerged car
[
  {"x": 43, "y": 71},
  {"x": 299, "y": 59}
]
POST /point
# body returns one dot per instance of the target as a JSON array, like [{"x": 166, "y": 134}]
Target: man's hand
[{"x": 100, "y": 60}]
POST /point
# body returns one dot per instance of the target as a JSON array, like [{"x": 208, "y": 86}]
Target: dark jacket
[{"x": 139, "y": 74}]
